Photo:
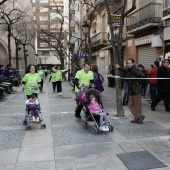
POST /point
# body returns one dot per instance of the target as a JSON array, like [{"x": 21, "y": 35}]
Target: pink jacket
[{"x": 94, "y": 107}]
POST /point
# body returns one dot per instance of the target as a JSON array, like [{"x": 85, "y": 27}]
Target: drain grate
[{"x": 141, "y": 160}]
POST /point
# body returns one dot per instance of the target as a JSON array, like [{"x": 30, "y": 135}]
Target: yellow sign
[{"x": 115, "y": 20}]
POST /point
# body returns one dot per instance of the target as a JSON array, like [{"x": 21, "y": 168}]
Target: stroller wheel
[
  {"x": 24, "y": 122},
  {"x": 28, "y": 128},
  {"x": 95, "y": 130},
  {"x": 84, "y": 125},
  {"x": 111, "y": 128}
]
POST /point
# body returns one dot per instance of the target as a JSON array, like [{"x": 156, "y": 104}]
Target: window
[
  {"x": 43, "y": 45},
  {"x": 166, "y": 4},
  {"x": 43, "y": 36},
  {"x": 44, "y": 9},
  {"x": 43, "y": 1},
  {"x": 34, "y": 18},
  {"x": 55, "y": 25},
  {"x": 44, "y": 27},
  {"x": 45, "y": 53},
  {"x": 43, "y": 18},
  {"x": 33, "y": 9},
  {"x": 33, "y": 1},
  {"x": 54, "y": 16}
]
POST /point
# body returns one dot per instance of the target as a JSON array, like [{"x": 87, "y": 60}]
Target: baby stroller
[
  {"x": 88, "y": 115},
  {"x": 28, "y": 118}
]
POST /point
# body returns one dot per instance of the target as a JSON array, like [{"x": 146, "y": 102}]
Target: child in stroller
[
  {"x": 96, "y": 109},
  {"x": 32, "y": 105},
  {"x": 93, "y": 110},
  {"x": 33, "y": 112}
]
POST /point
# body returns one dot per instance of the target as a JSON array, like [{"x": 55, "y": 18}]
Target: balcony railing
[
  {"x": 99, "y": 39},
  {"x": 149, "y": 14}
]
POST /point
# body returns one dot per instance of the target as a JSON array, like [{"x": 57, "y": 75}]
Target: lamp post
[{"x": 85, "y": 27}]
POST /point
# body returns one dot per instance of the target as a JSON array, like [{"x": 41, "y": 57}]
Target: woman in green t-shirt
[
  {"x": 31, "y": 81},
  {"x": 58, "y": 71},
  {"x": 53, "y": 80},
  {"x": 41, "y": 72}
]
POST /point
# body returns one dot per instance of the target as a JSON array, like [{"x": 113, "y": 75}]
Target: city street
[{"x": 65, "y": 145}]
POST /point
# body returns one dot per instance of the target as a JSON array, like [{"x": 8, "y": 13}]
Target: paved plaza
[{"x": 65, "y": 145}]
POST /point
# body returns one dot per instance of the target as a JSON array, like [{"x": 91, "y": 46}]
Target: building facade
[
  {"x": 47, "y": 17},
  {"x": 145, "y": 44},
  {"x": 166, "y": 30}
]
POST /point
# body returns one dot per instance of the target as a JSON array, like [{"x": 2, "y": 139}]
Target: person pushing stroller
[
  {"x": 96, "y": 109},
  {"x": 32, "y": 105}
]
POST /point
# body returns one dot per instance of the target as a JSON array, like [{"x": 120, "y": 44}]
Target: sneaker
[
  {"x": 60, "y": 93},
  {"x": 33, "y": 118},
  {"x": 107, "y": 128},
  {"x": 102, "y": 128},
  {"x": 153, "y": 108},
  {"x": 38, "y": 119}
]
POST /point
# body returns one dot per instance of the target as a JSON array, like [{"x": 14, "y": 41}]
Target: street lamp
[{"x": 85, "y": 27}]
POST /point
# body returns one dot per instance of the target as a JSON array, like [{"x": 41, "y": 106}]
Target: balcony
[
  {"x": 144, "y": 18},
  {"x": 99, "y": 40}
]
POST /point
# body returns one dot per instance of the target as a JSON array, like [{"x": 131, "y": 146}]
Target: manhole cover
[{"x": 141, "y": 160}]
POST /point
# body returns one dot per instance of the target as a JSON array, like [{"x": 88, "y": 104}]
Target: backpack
[{"x": 100, "y": 77}]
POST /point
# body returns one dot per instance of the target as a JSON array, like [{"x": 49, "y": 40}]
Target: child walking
[
  {"x": 53, "y": 80},
  {"x": 58, "y": 71},
  {"x": 96, "y": 110},
  {"x": 32, "y": 104}
]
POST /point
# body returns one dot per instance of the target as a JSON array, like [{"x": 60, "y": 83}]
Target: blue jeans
[
  {"x": 153, "y": 90},
  {"x": 126, "y": 94}
]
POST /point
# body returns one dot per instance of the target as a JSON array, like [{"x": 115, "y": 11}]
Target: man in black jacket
[
  {"x": 163, "y": 86},
  {"x": 134, "y": 103}
]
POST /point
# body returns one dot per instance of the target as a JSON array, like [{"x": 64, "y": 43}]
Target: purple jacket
[
  {"x": 97, "y": 82},
  {"x": 94, "y": 107}
]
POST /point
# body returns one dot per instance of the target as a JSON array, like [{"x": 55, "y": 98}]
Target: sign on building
[{"x": 115, "y": 20}]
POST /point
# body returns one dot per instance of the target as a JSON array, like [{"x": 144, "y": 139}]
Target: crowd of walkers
[
  {"x": 153, "y": 84},
  {"x": 9, "y": 77}
]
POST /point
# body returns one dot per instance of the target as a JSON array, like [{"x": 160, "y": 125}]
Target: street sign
[{"x": 115, "y": 20}]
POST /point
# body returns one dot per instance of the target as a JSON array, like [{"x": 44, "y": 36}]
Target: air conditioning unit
[{"x": 156, "y": 41}]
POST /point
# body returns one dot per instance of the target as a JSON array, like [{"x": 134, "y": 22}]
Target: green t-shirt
[
  {"x": 58, "y": 74},
  {"x": 31, "y": 81},
  {"x": 53, "y": 77},
  {"x": 41, "y": 73},
  {"x": 84, "y": 78}
]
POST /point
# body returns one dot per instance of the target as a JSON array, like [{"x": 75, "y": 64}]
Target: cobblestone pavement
[{"x": 65, "y": 145}]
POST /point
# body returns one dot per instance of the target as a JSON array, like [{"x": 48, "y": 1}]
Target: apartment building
[
  {"x": 145, "y": 44},
  {"x": 47, "y": 15},
  {"x": 166, "y": 25}
]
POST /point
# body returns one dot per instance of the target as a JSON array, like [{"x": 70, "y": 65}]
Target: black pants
[
  {"x": 159, "y": 97},
  {"x": 78, "y": 110},
  {"x": 59, "y": 87},
  {"x": 41, "y": 88},
  {"x": 54, "y": 85}
]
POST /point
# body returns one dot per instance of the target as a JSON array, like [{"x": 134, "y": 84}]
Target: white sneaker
[
  {"x": 60, "y": 93},
  {"x": 38, "y": 119},
  {"x": 102, "y": 128},
  {"x": 107, "y": 128},
  {"x": 33, "y": 118}
]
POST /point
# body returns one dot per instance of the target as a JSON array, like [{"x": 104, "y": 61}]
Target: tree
[
  {"x": 2, "y": 2},
  {"x": 109, "y": 4},
  {"x": 10, "y": 14}
]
